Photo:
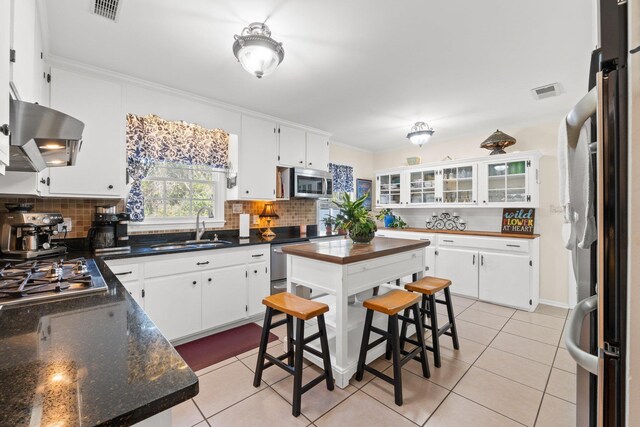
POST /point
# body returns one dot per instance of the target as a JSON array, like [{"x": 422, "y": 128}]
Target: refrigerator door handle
[{"x": 585, "y": 359}]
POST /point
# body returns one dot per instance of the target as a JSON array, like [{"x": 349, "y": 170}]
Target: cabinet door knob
[
  {"x": 247, "y": 191},
  {"x": 301, "y": 162},
  {"x": 209, "y": 279},
  {"x": 310, "y": 163},
  {"x": 4, "y": 129},
  {"x": 110, "y": 187},
  {"x": 194, "y": 282}
]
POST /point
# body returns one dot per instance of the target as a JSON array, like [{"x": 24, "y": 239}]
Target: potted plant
[
  {"x": 355, "y": 219},
  {"x": 386, "y": 216},
  {"x": 390, "y": 220},
  {"x": 328, "y": 222}
]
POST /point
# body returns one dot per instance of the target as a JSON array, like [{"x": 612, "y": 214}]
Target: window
[{"x": 176, "y": 190}]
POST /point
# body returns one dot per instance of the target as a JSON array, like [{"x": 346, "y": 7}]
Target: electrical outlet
[
  {"x": 237, "y": 208},
  {"x": 66, "y": 224},
  {"x": 256, "y": 220}
]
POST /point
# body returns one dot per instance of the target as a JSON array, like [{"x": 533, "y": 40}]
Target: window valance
[
  {"x": 342, "y": 178},
  {"x": 151, "y": 139}
]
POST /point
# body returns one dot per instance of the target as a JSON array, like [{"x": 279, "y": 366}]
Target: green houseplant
[{"x": 355, "y": 219}]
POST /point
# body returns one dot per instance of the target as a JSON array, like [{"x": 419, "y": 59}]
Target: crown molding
[
  {"x": 351, "y": 147},
  {"x": 71, "y": 65}
]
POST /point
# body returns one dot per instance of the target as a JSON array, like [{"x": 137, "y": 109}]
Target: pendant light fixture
[
  {"x": 497, "y": 142},
  {"x": 420, "y": 134},
  {"x": 256, "y": 51}
]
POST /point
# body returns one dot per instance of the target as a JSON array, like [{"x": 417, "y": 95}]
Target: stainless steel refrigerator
[{"x": 596, "y": 329}]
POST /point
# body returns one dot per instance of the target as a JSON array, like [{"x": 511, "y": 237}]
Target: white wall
[{"x": 541, "y": 137}]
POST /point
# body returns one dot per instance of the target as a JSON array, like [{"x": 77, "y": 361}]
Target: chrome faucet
[{"x": 199, "y": 232}]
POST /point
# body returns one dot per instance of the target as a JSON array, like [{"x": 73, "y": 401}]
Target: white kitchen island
[{"x": 342, "y": 270}]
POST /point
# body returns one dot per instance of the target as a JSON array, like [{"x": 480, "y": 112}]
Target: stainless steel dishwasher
[{"x": 279, "y": 267}]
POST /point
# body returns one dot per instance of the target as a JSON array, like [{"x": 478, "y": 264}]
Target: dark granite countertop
[
  {"x": 98, "y": 359},
  {"x": 142, "y": 245},
  {"x": 91, "y": 360}
]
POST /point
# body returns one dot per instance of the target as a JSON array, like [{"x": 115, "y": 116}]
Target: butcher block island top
[{"x": 346, "y": 252}]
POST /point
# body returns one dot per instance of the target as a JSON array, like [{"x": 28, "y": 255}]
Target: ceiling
[{"x": 364, "y": 70}]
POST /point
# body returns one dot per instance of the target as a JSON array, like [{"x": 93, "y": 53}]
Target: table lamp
[{"x": 269, "y": 213}]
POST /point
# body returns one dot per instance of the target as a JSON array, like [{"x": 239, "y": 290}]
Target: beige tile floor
[{"x": 511, "y": 370}]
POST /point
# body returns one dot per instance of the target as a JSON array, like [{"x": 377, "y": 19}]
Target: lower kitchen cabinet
[
  {"x": 224, "y": 295},
  {"x": 258, "y": 287},
  {"x": 461, "y": 267},
  {"x": 504, "y": 277},
  {"x": 173, "y": 303},
  {"x": 135, "y": 290}
]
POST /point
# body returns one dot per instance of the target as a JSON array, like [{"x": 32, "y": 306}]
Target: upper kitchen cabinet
[
  {"x": 512, "y": 181},
  {"x": 291, "y": 147},
  {"x": 317, "y": 151},
  {"x": 390, "y": 189},
  {"x": 459, "y": 185},
  {"x": 5, "y": 43},
  {"x": 27, "y": 64},
  {"x": 300, "y": 149},
  {"x": 257, "y": 159},
  {"x": 100, "y": 166}
]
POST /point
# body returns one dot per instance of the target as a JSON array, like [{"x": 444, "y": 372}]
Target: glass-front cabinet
[
  {"x": 459, "y": 185},
  {"x": 424, "y": 187},
  {"x": 390, "y": 189},
  {"x": 509, "y": 182}
]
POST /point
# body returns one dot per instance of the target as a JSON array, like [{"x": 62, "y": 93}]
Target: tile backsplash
[
  {"x": 79, "y": 210},
  {"x": 291, "y": 212}
]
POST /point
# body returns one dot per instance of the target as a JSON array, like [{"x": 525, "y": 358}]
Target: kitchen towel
[{"x": 576, "y": 187}]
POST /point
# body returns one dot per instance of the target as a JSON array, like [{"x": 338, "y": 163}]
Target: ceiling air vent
[
  {"x": 107, "y": 8},
  {"x": 546, "y": 91}
]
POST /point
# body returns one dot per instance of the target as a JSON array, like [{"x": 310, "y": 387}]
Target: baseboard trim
[{"x": 555, "y": 303}]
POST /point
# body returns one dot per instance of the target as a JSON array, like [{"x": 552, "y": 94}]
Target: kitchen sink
[{"x": 190, "y": 244}]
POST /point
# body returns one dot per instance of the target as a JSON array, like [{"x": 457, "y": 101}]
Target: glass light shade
[
  {"x": 420, "y": 134},
  {"x": 256, "y": 51}
]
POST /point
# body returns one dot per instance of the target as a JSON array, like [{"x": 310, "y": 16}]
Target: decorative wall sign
[
  {"x": 518, "y": 220},
  {"x": 445, "y": 221},
  {"x": 363, "y": 186}
]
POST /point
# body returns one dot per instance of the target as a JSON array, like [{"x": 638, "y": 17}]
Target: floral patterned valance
[
  {"x": 151, "y": 139},
  {"x": 158, "y": 140},
  {"x": 342, "y": 178}
]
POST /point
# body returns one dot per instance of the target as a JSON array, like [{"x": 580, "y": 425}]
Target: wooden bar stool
[
  {"x": 391, "y": 304},
  {"x": 302, "y": 309},
  {"x": 429, "y": 287}
]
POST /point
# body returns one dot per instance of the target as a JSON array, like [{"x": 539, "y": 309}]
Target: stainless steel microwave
[{"x": 311, "y": 183}]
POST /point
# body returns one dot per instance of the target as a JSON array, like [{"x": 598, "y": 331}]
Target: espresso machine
[
  {"x": 109, "y": 231},
  {"x": 27, "y": 235}
]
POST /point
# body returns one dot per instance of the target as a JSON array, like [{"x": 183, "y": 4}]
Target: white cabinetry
[
  {"x": 317, "y": 151},
  {"x": 191, "y": 294},
  {"x": 461, "y": 267},
  {"x": 100, "y": 167},
  {"x": 258, "y": 287},
  {"x": 174, "y": 304},
  {"x": 5, "y": 43},
  {"x": 224, "y": 295},
  {"x": 257, "y": 159},
  {"x": 291, "y": 147},
  {"x": 510, "y": 182},
  {"x": 499, "y": 270},
  {"x": 502, "y": 276},
  {"x": 300, "y": 149}
]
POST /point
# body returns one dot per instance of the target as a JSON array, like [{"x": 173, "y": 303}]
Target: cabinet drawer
[
  {"x": 497, "y": 243},
  {"x": 260, "y": 253},
  {"x": 198, "y": 260},
  {"x": 126, "y": 272}
]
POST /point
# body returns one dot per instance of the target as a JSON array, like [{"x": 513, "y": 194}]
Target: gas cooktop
[{"x": 22, "y": 282}]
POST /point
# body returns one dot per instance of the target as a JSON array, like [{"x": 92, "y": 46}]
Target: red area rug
[{"x": 215, "y": 348}]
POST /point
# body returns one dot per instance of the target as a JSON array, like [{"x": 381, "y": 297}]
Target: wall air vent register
[{"x": 109, "y": 9}]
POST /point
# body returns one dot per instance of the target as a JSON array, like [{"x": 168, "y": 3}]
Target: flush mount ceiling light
[
  {"x": 256, "y": 51},
  {"x": 420, "y": 134}
]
